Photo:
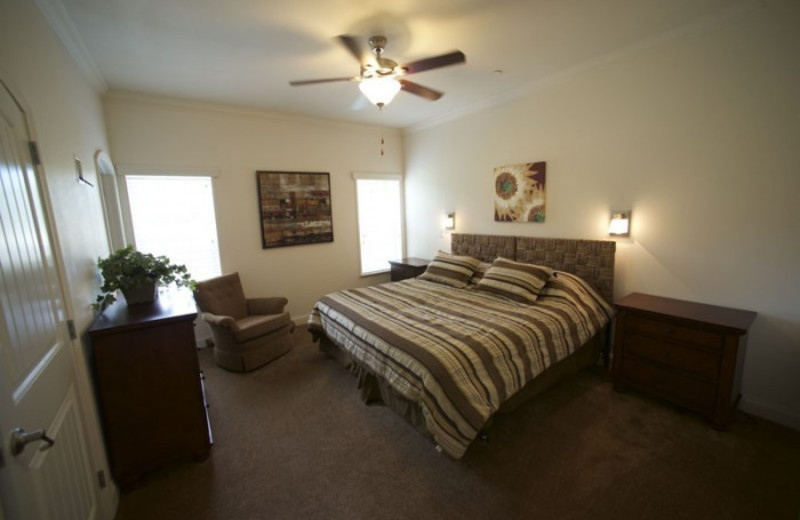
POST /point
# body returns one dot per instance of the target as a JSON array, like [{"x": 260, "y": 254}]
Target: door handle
[{"x": 20, "y": 438}]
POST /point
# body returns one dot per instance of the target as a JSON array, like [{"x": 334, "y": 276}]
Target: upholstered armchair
[{"x": 247, "y": 332}]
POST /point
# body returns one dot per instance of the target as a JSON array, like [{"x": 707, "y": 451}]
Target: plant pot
[{"x": 147, "y": 293}]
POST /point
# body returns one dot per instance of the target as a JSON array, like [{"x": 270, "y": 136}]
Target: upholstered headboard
[
  {"x": 592, "y": 260},
  {"x": 483, "y": 247}
]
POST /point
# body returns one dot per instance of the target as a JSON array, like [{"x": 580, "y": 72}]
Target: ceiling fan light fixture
[{"x": 380, "y": 91}]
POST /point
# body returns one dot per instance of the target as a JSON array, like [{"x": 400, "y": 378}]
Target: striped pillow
[
  {"x": 479, "y": 272},
  {"x": 515, "y": 280},
  {"x": 451, "y": 270}
]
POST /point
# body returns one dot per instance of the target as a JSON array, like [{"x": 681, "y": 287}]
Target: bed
[{"x": 448, "y": 357}]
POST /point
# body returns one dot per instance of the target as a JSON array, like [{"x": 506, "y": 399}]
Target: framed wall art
[
  {"x": 295, "y": 208},
  {"x": 519, "y": 192}
]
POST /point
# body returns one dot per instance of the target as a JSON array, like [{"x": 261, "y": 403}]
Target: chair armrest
[
  {"x": 272, "y": 305},
  {"x": 225, "y": 322}
]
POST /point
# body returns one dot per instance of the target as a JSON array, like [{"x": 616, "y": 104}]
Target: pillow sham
[
  {"x": 452, "y": 270},
  {"x": 572, "y": 287},
  {"x": 515, "y": 280},
  {"x": 479, "y": 272}
]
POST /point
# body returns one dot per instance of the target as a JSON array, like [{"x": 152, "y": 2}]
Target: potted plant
[{"x": 138, "y": 276}]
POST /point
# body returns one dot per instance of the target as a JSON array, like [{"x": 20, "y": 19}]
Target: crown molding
[{"x": 59, "y": 20}]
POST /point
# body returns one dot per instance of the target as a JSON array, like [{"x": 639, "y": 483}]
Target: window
[
  {"x": 174, "y": 216},
  {"x": 380, "y": 220}
]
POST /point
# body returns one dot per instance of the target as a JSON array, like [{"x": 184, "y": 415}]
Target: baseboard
[
  {"x": 771, "y": 412},
  {"x": 300, "y": 321}
]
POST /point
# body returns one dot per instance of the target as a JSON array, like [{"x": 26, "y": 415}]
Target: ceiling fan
[{"x": 381, "y": 78}]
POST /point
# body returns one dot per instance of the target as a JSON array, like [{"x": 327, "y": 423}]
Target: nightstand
[
  {"x": 407, "y": 268},
  {"x": 688, "y": 353}
]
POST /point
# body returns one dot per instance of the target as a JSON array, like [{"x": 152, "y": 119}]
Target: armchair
[{"x": 247, "y": 332}]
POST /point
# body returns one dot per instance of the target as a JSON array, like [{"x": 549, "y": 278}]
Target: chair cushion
[
  {"x": 223, "y": 296},
  {"x": 255, "y": 326}
]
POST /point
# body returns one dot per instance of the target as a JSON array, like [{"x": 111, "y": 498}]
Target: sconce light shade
[
  {"x": 450, "y": 221},
  {"x": 620, "y": 225},
  {"x": 380, "y": 91}
]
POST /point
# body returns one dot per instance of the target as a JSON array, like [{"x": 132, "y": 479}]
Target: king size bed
[{"x": 486, "y": 327}]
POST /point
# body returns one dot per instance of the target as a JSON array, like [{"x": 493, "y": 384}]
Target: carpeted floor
[{"x": 292, "y": 440}]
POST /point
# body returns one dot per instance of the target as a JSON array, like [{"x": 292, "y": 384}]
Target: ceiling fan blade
[
  {"x": 419, "y": 90},
  {"x": 315, "y": 81},
  {"x": 352, "y": 45},
  {"x": 435, "y": 62}
]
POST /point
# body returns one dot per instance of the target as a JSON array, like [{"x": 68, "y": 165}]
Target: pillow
[
  {"x": 573, "y": 288},
  {"x": 451, "y": 270},
  {"x": 479, "y": 272},
  {"x": 515, "y": 280}
]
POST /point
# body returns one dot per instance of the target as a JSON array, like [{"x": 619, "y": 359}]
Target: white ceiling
[{"x": 244, "y": 52}]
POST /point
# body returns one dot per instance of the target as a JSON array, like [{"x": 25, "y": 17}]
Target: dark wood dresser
[
  {"x": 690, "y": 354},
  {"x": 149, "y": 387},
  {"x": 407, "y": 268}
]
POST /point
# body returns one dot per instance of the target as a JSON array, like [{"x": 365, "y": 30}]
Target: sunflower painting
[{"x": 519, "y": 192}]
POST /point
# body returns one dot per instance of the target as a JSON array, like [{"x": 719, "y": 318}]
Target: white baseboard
[{"x": 771, "y": 412}]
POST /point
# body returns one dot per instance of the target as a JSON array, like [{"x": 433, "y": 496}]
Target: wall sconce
[
  {"x": 620, "y": 225},
  {"x": 450, "y": 221}
]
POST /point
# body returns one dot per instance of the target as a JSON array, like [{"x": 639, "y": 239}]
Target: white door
[{"x": 38, "y": 391}]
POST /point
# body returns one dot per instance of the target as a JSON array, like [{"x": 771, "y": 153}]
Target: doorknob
[{"x": 20, "y": 438}]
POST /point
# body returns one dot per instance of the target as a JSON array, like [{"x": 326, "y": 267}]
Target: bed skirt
[{"x": 374, "y": 390}]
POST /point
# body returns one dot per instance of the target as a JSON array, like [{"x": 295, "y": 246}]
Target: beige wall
[
  {"x": 67, "y": 120},
  {"x": 175, "y": 135},
  {"x": 698, "y": 133}
]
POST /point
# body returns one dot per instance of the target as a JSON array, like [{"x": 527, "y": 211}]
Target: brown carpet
[{"x": 293, "y": 440}]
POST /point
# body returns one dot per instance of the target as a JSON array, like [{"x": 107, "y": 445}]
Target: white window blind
[
  {"x": 380, "y": 220},
  {"x": 174, "y": 216}
]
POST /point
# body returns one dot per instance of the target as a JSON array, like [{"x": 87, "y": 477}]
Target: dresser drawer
[
  {"x": 668, "y": 330},
  {"x": 683, "y": 390},
  {"x": 693, "y": 361}
]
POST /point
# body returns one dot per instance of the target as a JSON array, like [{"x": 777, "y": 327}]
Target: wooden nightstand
[
  {"x": 407, "y": 268},
  {"x": 690, "y": 354}
]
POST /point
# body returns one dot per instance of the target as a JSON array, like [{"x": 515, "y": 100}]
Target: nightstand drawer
[
  {"x": 403, "y": 272},
  {"x": 667, "y": 330},
  {"x": 686, "y": 359},
  {"x": 684, "y": 390}
]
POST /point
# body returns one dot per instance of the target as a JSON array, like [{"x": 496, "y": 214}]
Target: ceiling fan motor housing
[{"x": 382, "y": 66}]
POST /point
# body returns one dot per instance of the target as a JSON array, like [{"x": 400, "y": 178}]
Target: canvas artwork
[
  {"x": 295, "y": 208},
  {"x": 520, "y": 192}
]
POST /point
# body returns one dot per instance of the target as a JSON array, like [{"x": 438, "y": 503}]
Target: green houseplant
[{"x": 138, "y": 276}]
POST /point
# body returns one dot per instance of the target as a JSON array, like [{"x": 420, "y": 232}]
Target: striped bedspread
[{"x": 459, "y": 353}]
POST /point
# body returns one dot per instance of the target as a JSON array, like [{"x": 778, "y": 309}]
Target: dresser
[
  {"x": 688, "y": 353},
  {"x": 149, "y": 387},
  {"x": 405, "y": 268}
]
